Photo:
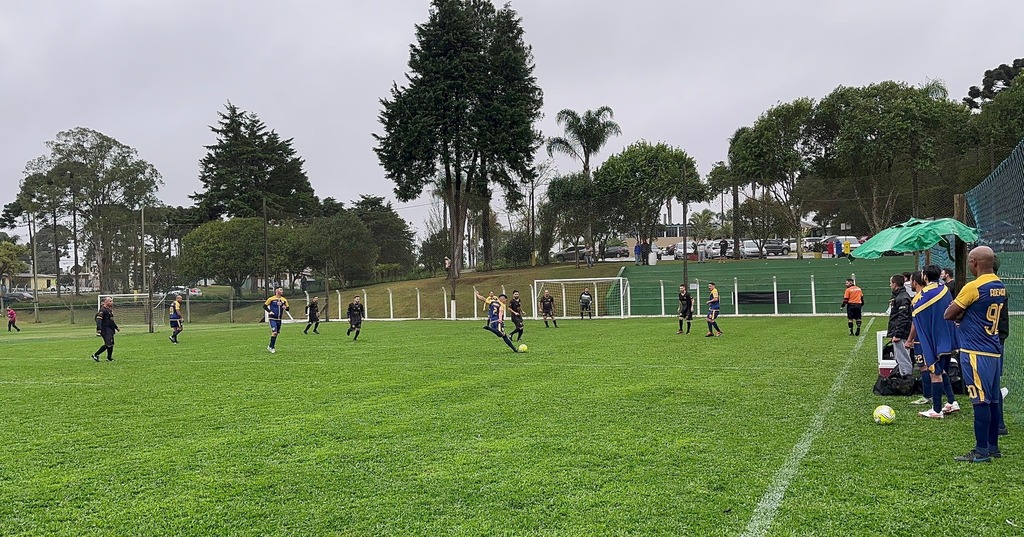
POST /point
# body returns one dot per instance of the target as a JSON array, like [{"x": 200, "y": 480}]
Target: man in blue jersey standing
[
  {"x": 937, "y": 339},
  {"x": 977, "y": 309}
]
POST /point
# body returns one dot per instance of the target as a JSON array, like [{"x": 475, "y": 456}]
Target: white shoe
[
  {"x": 272, "y": 350},
  {"x": 950, "y": 408},
  {"x": 931, "y": 414},
  {"x": 922, "y": 401},
  {"x": 1004, "y": 390}
]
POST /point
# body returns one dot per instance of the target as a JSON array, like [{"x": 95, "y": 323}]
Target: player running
[
  {"x": 547, "y": 308},
  {"x": 515, "y": 307},
  {"x": 714, "y": 305},
  {"x": 176, "y": 320},
  {"x": 313, "y": 315},
  {"x": 275, "y": 306},
  {"x": 356, "y": 314}
]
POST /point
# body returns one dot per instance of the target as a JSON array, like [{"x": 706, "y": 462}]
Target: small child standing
[{"x": 12, "y": 319}]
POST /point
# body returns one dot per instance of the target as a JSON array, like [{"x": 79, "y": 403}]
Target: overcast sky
[{"x": 154, "y": 74}]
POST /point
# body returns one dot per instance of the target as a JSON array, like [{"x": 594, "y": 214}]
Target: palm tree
[
  {"x": 703, "y": 224},
  {"x": 584, "y": 136}
]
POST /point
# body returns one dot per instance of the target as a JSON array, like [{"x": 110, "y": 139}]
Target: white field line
[{"x": 769, "y": 505}]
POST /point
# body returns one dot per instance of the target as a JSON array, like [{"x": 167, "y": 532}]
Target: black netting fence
[{"x": 997, "y": 209}]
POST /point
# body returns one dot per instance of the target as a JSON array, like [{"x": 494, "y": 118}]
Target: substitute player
[
  {"x": 853, "y": 301},
  {"x": 937, "y": 339},
  {"x": 515, "y": 308},
  {"x": 275, "y": 306},
  {"x": 547, "y": 308},
  {"x": 978, "y": 307},
  {"x": 176, "y": 319},
  {"x": 714, "y": 305},
  {"x": 356, "y": 314},
  {"x": 496, "y": 320},
  {"x": 685, "y": 308}
]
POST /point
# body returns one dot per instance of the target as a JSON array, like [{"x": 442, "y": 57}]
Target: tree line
[{"x": 461, "y": 129}]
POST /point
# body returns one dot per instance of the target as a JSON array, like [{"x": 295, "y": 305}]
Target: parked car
[
  {"x": 18, "y": 296},
  {"x": 776, "y": 247},
  {"x": 854, "y": 242},
  {"x": 184, "y": 291},
  {"x": 749, "y": 249},
  {"x": 611, "y": 252},
  {"x": 616, "y": 251},
  {"x": 681, "y": 250},
  {"x": 569, "y": 254},
  {"x": 712, "y": 249},
  {"x": 810, "y": 242}
]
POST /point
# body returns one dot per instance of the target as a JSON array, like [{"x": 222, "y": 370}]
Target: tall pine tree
[{"x": 249, "y": 166}]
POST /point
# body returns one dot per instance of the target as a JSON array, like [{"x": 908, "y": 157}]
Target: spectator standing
[
  {"x": 899, "y": 324},
  {"x": 589, "y": 255},
  {"x": 638, "y": 253},
  {"x": 12, "y": 319},
  {"x": 723, "y": 249},
  {"x": 830, "y": 249}
]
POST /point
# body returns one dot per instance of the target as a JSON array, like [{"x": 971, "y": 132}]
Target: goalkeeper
[{"x": 585, "y": 300}]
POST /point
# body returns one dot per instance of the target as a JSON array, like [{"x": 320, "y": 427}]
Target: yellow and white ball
[{"x": 884, "y": 415}]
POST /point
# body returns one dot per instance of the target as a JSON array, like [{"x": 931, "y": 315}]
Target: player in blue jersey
[
  {"x": 977, "y": 309},
  {"x": 714, "y": 307},
  {"x": 936, "y": 337},
  {"x": 177, "y": 323},
  {"x": 275, "y": 306},
  {"x": 496, "y": 320}
]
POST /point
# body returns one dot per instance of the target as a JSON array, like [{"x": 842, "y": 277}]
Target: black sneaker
[
  {"x": 110, "y": 358},
  {"x": 95, "y": 358},
  {"x": 1003, "y": 431},
  {"x": 995, "y": 453},
  {"x": 315, "y": 332},
  {"x": 973, "y": 456}
]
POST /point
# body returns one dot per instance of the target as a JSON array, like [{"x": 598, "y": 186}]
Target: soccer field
[{"x": 606, "y": 427}]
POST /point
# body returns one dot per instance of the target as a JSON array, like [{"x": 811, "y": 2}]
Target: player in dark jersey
[
  {"x": 107, "y": 327},
  {"x": 496, "y": 320},
  {"x": 313, "y": 315},
  {"x": 515, "y": 309},
  {"x": 977, "y": 308},
  {"x": 714, "y": 308},
  {"x": 356, "y": 314},
  {"x": 685, "y": 308},
  {"x": 275, "y": 306},
  {"x": 547, "y": 309},
  {"x": 177, "y": 323},
  {"x": 585, "y": 300}
]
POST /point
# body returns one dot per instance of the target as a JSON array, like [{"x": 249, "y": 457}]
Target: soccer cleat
[
  {"x": 973, "y": 456},
  {"x": 930, "y": 413},
  {"x": 110, "y": 358},
  {"x": 709, "y": 334},
  {"x": 718, "y": 334},
  {"x": 922, "y": 401},
  {"x": 95, "y": 358},
  {"x": 272, "y": 350},
  {"x": 995, "y": 453},
  {"x": 679, "y": 332},
  {"x": 1004, "y": 391},
  {"x": 950, "y": 408},
  {"x": 315, "y": 332}
]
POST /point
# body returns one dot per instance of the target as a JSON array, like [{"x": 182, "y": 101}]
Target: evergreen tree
[{"x": 250, "y": 167}]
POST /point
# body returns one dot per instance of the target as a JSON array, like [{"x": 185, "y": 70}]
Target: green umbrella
[{"x": 914, "y": 235}]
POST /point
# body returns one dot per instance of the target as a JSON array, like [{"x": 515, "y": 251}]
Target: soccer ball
[
  {"x": 523, "y": 348},
  {"x": 884, "y": 415}
]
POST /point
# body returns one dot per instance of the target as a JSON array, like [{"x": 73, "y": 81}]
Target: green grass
[{"x": 436, "y": 428}]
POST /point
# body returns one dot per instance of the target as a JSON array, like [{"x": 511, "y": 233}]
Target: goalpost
[
  {"x": 135, "y": 309},
  {"x": 611, "y": 296}
]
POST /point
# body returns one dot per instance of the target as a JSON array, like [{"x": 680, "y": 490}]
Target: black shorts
[
  {"x": 853, "y": 311},
  {"x": 686, "y": 315},
  {"x": 584, "y": 307},
  {"x": 108, "y": 336},
  {"x": 314, "y": 318},
  {"x": 518, "y": 321},
  {"x": 356, "y": 323},
  {"x": 548, "y": 313}
]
